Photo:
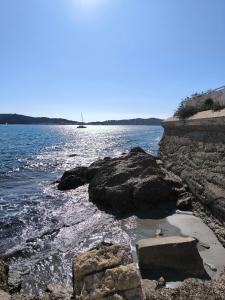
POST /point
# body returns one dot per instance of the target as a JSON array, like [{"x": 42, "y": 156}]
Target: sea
[{"x": 41, "y": 227}]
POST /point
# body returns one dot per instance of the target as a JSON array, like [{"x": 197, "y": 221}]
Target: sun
[{"x": 88, "y": 3}]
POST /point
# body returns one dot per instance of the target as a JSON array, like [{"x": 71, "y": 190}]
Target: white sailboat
[{"x": 82, "y": 122}]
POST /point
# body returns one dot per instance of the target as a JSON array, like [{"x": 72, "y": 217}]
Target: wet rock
[
  {"x": 4, "y": 295},
  {"x": 132, "y": 182},
  {"x": 74, "y": 178},
  {"x": 59, "y": 292},
  {"x": 124, "y": 184},
  {"x": 4, "y": 270},
  {"x": 184, "y": 203},
  {"x": 73, "y": 155},
  {"x": 106, "y": 272},
  {"x": 212, "y": 267},
  {"x": 170, "y": 254},
  {"x": 14, "y": 282},
  {"x": 204, "y": 245}
]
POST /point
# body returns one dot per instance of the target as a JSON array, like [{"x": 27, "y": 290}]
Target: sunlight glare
[{"x": 88, "y": 4}]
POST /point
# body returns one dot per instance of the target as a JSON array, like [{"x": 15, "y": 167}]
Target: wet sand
[
  {"x": 192, "y": 226},
  {"x": 183, "y": 225}
]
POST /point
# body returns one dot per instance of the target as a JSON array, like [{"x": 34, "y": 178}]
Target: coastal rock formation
[
  {"x": 176, "y": 254},
  {"x": 126, "y": 183},
  {"x": 194, "y": 150},
  {"x": 4, "y": 271},
  {"x": 106, "y": 272}
]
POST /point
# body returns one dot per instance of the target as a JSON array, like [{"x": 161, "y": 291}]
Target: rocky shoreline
[{"x": 128, "y": 185}]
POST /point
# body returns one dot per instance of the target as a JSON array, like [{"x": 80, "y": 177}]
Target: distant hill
[
  {"x": 21, "y": 119},
  {"x": 139, "y": 121}
]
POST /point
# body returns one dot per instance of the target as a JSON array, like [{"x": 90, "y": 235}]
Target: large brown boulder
[{"x": 165, "y": 255}]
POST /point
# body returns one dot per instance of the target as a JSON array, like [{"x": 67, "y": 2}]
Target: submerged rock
[
  {"x": 74, "y": 178},
  {"x": 166, "y": 255},
  {"x": 106, "y": 272}
]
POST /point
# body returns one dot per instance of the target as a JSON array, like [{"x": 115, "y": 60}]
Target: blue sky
[{"x": 110, "y": 59}]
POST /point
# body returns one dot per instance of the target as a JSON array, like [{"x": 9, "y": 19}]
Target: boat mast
[{"x": 82, "y": 118}]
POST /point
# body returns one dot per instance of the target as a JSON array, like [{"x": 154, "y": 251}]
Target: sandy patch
[{"x": 192, "y": 226}]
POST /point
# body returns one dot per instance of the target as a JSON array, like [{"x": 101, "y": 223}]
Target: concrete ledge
[{"x": 178, "y": 254}]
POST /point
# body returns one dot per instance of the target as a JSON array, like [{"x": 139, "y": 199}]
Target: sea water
[{"x": 41, "y": 227}]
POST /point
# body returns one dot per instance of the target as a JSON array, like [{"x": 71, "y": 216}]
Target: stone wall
[{"x": 194, "y": 149}]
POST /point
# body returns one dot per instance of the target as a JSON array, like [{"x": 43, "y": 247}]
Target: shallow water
[{"x": 41, "y": 227}]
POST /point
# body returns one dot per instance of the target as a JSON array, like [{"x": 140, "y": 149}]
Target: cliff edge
[{"x": 194, "y": 149}]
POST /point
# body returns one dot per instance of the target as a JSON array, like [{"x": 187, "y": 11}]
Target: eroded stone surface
[
  {"x": 101, "y": 258},
  {"x": 194, "y": 150},
  {"x": 106, "y": 272}
]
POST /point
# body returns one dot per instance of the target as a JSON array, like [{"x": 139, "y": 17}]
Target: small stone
[
  {"x": 212, "y": 267},
  {"x": 161, "y": 282},
  {"x": 158, "y": 232}
]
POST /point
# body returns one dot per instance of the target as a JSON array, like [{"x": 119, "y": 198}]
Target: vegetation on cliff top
[{"x": 186, "y": 110}]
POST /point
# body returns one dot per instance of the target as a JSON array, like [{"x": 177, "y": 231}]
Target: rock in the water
[
  {"x": 106, "y": 272},
  {"x": 74, "y": 178},
  {"x": 14, "y": 282},
  {"x": 4, "y": 295},
  {"x": 4, "y": 270},
  {"x": 132, "y": 182},
  {"x": 170, "y": 254}
]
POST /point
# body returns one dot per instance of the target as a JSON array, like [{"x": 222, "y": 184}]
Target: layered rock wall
[{"x": 194, "y": 149}]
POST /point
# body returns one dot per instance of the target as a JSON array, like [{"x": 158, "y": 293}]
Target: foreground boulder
[
  {"x": 127, "y": 183},
  {"x": 170, "y": 255},
  {"x": 106, "y": 272}
]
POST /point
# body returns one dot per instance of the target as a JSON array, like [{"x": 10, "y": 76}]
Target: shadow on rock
[{"x": 133, "y": 183}]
